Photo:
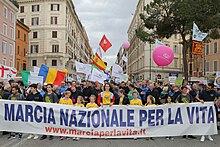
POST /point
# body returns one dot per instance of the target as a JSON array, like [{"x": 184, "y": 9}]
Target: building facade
[
  {"x": 22, "y": 46},
  {"x": 140, "y": 62},
  {"x": 120, "y": 61},
  {"x": 57, "y": 37},
  {"x": 212, "y": 60},
  {"x": 7, "y": 32}
]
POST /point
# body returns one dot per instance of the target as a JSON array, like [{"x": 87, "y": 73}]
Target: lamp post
[{"x": 150, "y": 60}]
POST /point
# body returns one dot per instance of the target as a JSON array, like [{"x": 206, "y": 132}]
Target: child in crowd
[
  {"x": 80, "y": 101},
  {"x": 66, "y": 101},
  {"x": 169, "y": 101},
  {"x": 150, "y": 101},
  {"x": 135, "y": 100},
  {"x": 92, "y": 103},
  {"x": 122, "y": 99}
]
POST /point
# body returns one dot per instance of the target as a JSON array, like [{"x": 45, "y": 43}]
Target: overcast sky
[{"x": 110, "y": 17}]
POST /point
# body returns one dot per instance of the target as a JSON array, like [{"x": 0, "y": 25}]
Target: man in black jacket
[
  {"x": 154, "y": 92},
  {"x": 176, "y": 93},
  {"x": 74, "y": 94},
  {"x": 34, "y": 95},
  {"x": 7, "y": 91}
]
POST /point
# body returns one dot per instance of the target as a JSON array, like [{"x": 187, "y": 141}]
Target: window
[
  {"x": 4, "y": 61},
  {"x": 34, "y": 34},
  {"x": 207, "y": 66},
  {"x": 18, "y": 52},
  {"x": 34, "y": 62},
  {"x": 175, "y": 49},
  {"x": 55, "y": 48},
  {"x": 18, "y": 65},
  {"x": 10, "y": 63},
  {"x": 11, "y": 49},
  {"x": 24, "y": 52},
  {"x": 34, "y": 48},
  {"x": 215, "y": 47},
  {"x": 175, "y": 63},
  {"x": 11, "y": 33},
  {"x": 24, "y": 37},
  {"x": 54, "y": 34},
  {"x": 4, "y": 47},
  {"x": 215, "y": 65},
  {"x": 5, "y": 12},
  {"x": 24, "y": 66},
  {"x": 18, "y": 33},
  {"x": 5, "y": 29},
  {"x": 35, "y": 8},
  {"x": 11, "y": 17},
  {"x": 35, "y": 21},
  {"x": 21, "y": 9},
  {"x": 207, "y": 49},
  {"x": 55, "y": 7},
  {"x": 53, "y": 20},
  {"x": 54, "y": 62},
  {"x": 22, "y": 20}
]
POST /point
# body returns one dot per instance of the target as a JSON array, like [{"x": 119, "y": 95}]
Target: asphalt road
[{"x": 158, "y": 142}]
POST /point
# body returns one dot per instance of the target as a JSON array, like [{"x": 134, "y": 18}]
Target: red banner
[{"x": 197, "y": 48}]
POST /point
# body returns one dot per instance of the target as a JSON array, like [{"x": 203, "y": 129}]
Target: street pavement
[{"x": 158, "y": 142}]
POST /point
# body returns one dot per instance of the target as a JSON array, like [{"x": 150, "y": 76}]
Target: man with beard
[
  {"x": 15, "y": 96},
  {"x": 154, "y": 92}
]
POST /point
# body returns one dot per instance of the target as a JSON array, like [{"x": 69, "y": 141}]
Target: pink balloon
[
  {"x": 126, "y": 45},
  {"x": 163, "y": 55}
]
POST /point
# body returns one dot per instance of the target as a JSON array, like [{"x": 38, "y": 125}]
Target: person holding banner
[
  {"x": 92, "y": 103},
  {"x": 15, "y": 96},
  {"x": 185, "y": 98},
  {"x": 66, "y": 101},
  {"x": 135, "y": 100},
  {"x": 34, "y": 95},
  {"x": 49, "y": 97},
  {"x": 122, "y": 99},
  {"x": 106, "y": 97},
  {"x": 208, "y": 95}
]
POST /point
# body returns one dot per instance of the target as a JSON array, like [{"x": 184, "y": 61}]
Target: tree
[{"x": 167, "y": 17}]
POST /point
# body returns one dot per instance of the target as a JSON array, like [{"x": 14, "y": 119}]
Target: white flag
[
  {"x": 99, "y": 52},
  {"x": 97, "y": 75},
  {"x": 7, "y": 72},
  {"x": 197, "y": 34},
  {"x": 32, "y": 79},
  {"x": 117, "y": 71},
  {"x": 36, "y": 69},
  {"x": 159, "y": 43},
  {"x": 78, "y": 78},
  {"x": 83, "y": 68},
  {"x": 124, "y": 58}
]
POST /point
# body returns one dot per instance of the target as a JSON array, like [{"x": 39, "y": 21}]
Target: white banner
[
  {"x": 83, "y": 68},
  {"x": 97, "y": 75},
  {"x": 108, "y": 122},
  {"x": 36, "y": 69},
  {"x": 172, "y": 80},
  {"x": 197, "y": 34},
  {"x": 7, "y": 72},
  {"x": 117, "y": 71},
  {"x": 35, "y": 79}
]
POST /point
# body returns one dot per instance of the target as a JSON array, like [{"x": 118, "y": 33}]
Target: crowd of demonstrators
[{"x": 93, "y": 94}]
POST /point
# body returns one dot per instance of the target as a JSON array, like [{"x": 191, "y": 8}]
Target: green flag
[
  {"x": 179, "y": 81},
  {"x": 25, "y": 75}
]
